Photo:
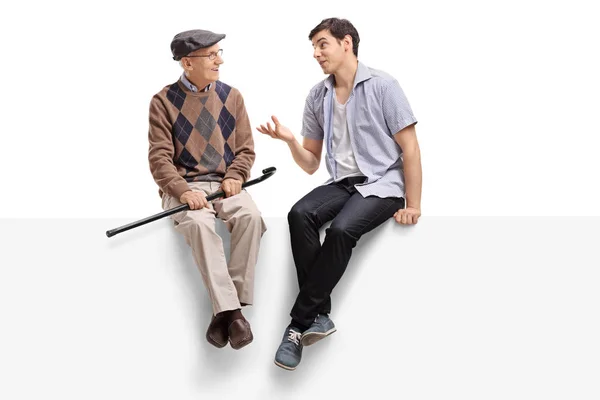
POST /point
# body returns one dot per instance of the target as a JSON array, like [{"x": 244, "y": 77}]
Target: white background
[
  {"x": 464, "y": 308},
  {"x": 506, "y": 95},
  {"x": 483, "y": 308}
]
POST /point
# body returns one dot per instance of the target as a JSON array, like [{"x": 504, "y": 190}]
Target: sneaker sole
[
  {"x": 313, "y": 337},
  {"x": 285, "y": 366}
]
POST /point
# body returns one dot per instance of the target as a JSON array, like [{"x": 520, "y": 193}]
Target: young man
[
  {"x": 201, "y": 142},
  {"x": 373, "y": 158}
]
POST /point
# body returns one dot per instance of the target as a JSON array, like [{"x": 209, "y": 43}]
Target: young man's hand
[
  {"x": 196, "y": 200},
  {"x": 407, "y": 216},
  {"x": 231, "y": 187},
  {"x": 277, "y": 132}
]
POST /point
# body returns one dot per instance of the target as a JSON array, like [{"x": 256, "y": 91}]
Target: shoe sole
[
  {"x": 241, "y": 344},
  {"x": 215, "y": 343},
  {"x": 284, "y": 366},
  {"x": 313, "y": 337},
  {"x": 245, "y": 341}
]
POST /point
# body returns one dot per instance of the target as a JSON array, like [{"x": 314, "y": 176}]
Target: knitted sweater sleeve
[
  {"x": 244, "y": 144},
  {"x": 161, "y": 151}
]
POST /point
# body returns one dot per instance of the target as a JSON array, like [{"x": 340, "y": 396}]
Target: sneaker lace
[{"x": 294, "y": 336}]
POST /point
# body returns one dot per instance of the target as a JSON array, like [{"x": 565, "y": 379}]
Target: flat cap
[{"x": 186, "y": 42}]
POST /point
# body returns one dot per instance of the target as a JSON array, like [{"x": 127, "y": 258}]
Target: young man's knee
[
  {"x": 342, "y": 230},
  {"x": 299, "y": 212}
]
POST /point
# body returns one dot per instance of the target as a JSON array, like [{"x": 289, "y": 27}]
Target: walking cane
[{"x": 267, "y": 172}]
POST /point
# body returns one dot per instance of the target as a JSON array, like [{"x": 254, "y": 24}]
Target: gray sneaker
[
  {"x": 289, "y": 353},
  {"x": 322, "y": 327}
]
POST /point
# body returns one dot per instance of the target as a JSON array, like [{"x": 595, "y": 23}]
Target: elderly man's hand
[
  {"x": 196, "y": 200},
  {"x": 407, "y": 216},
  {"x": 231, "y": 187}
]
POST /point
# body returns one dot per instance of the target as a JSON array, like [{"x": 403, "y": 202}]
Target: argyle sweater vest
[{"x": 198, "y": 136}]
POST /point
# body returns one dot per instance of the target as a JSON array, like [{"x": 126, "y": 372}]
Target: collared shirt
[
  {"x": 191, "y": 87},
  {"x": 376, "y": 110}
]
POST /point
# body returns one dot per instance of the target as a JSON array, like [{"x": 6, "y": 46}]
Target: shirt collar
[
  {"x": 362, "y": 74},
  {"x": 191, "y": 87}
]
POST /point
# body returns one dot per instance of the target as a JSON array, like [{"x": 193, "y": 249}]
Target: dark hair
[{"x": 339, "y": 28}]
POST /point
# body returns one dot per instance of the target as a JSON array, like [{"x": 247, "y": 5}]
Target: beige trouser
[{"x": 228, "y": 285}]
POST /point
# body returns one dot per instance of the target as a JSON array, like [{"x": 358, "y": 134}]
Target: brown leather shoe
[
  {"x": 240, "y": 333},
  {"x": 217, "y": 333}
]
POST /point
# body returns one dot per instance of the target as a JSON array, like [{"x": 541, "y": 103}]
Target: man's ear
[
  {"x": 186, "y": 64},
  {"x": 348, "y": 43}
]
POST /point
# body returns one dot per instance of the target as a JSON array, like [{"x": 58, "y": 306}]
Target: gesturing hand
[{"x": 278, "y": 132}]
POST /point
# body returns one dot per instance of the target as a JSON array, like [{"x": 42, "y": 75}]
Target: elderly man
[
  {"x": 366, "y": 124},
  {"x": 201, "y": 142}
]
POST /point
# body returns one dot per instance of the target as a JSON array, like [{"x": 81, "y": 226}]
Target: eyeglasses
[{"x": 212, "y": 55}]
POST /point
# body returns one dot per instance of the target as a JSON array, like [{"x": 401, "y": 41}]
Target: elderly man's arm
[
  {"x": 160, "y": 157},
  {"x": 161, "y": 151},
  {"x": 238, "y": 171}
]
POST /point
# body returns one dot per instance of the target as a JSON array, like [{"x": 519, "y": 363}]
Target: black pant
[{"x": 320, "y": 267}]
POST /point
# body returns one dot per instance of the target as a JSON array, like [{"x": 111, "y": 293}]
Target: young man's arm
[
  {"x": 307, "y": 155},
  {"x": 407, "y": 140},
  {"x": 401, "y": 124}
]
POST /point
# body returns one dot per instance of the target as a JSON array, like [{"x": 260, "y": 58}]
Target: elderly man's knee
[
  {"x": 197, "y": 220},
  {"x": 252, "y": 215}
]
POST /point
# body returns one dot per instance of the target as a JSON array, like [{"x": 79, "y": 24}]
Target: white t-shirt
[{"x": 341, "y": 146}]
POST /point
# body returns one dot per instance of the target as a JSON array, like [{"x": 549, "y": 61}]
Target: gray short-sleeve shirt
[{"x": 376, "y": 110}]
